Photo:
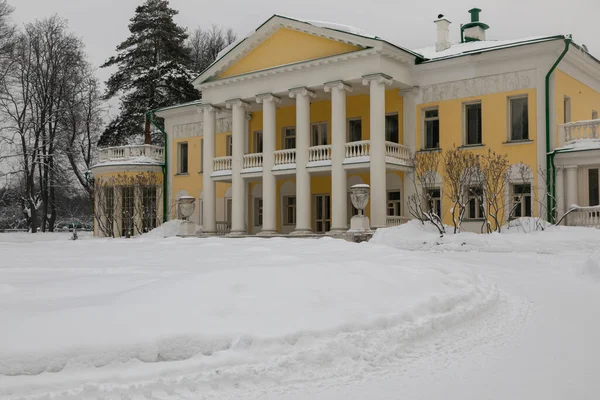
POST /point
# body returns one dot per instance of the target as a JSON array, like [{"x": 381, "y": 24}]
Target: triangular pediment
[
  {"x": 283, "y": 41},
  {"x": 287, "y": 46}
]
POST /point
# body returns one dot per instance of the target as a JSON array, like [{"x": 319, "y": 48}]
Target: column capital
[
  {"x": 570, "y": 166},
  {"x": 207, "y": 107},
  {"x": 340, "y": 85},
  {"x": 411, "y": 90},
  {"x": 301, "y": 91},
  {"x": 236, "y": 103},
  {"x": 267, "y": 98},
  {"x": 379, "y": 78}
]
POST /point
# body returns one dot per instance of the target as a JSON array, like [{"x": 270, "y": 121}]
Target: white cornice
[{"x": 289, "y": 68}]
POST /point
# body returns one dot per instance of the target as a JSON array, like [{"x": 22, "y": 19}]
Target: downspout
[
  {"x": 150, "y": 115},
  {"x": 550, "y": 171}
]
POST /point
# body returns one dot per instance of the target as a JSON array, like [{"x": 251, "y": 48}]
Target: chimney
[
  {"x": 474, "y": 30},
  {"x": 443, "y": 33}
]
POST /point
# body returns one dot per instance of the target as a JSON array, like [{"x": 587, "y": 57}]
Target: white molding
[
  {"x": 479, "y": 86},
  {"x": 267, "y": 97},
  {"x": 378, "y": 77},
  {"x": 236, "y": 103},
  {"x": 340, "y": 85},
  {"x": 301, "y": 91}
]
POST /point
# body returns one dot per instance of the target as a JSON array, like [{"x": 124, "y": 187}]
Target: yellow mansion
[{"x": 296, "y": 113}]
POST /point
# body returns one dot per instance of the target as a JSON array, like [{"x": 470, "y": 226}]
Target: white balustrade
[
  {"x": 222, "y": 164},
  {"x": 254, "y": 160},
  {"x": 223, "y": 227},
  {"x": 582, "y": 130},
  {"x": 358, "y": 149},
  {"x": 585, "y": 216},
  {"x": 398, "y": 151},
  {"x": 285, "y": 157},
  {"x": 131, "y": 153},
  {"x": 319, "y": 153},
  {"x": 395, "y": 220}
]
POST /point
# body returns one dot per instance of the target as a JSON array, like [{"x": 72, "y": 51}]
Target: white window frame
[
  {"x": 323, "y": 129},
  {"x": 523, "y": 199},
  {"x": 229, "y": 145},
  {"x": 180, "y": 158},
  {"x": 396, "y": 204},
  {"x": 285, "y": 208},
  {"x": 424, "y": 121},
  {"x": 348, "y": 128},
  {"x": 435, "y": 199},
  {"x": 567, "y": 109},
  {"x": 392, "y": 114},
  {"x": 285, "y": 136},
  {"x": 509, "y": 115},
  {"x": 258, "y": 211},
  {"x": 479, "y": 204},
  {"x": 255, "y": 135},
  {"x": 466, "y": 122}
]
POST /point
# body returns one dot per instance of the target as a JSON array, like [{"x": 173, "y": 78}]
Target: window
[
  {"x": 258, "y": 211},
  {"x": 434, "y": 200},
  {"x": 593, "y": 187},
  {"x": 567, "y": 109},
  {"x": 594, "y": 114},
  {"x": 393, "y": 204},
  {"x": 258, "y": 141},
  {"x": 182, "y": 151},
  {"x": 475, "y": 205},
  {"x": 148, "y": 208},
  {"x": 391, "y": 128},
  {"x": 432, "y": 129},
  {"x": 354, "y": 130},
  {"x": 473, "y": 123},
  {"x": 228, "y": 146},
  {"x": 228, "y": 210},
  {"x": 519, "y": 118},
  {"x": 289, "y": 138},
  {"x": 319, "y": 134},
  {"x": 289, "y": 206},
  {"x": 521, "y": 200},
  {"x": 110, "y": 205},
  {"x": 127, "y": 211}
]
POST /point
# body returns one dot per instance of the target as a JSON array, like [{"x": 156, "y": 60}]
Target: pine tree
[{"x": 152, "y": 72}]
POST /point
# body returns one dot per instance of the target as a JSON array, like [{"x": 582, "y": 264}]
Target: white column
[
  {"x": 269, "y": 183},
  {"x": 209, "y": 211},
  {"x": 571, "y": 194},
  {"x": 409, "y": 124},
  {"x": 377, "y": 199},
  {"x": 560, "y": 192},
  {"x": 339, "y": 195},
  {"x": 302, "y": 96},
  {"x": 238, "y": 188}
]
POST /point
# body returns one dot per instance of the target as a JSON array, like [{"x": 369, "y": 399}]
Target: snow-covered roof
[
  {"x": 580, "y": 145},
  {"x": 461, "y": 49}
]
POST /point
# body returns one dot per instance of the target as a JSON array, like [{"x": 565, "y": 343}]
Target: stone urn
[
  {"x": 359, "y": 194},
  {"x": 187, "y": 205}
]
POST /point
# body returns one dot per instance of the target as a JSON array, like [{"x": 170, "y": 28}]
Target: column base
[
  {"x": 270, "y": 232},
  {"x": 302, "y": 232},
  {"x": 337, "y": 232},
  {"x": 236, "y": 234}
]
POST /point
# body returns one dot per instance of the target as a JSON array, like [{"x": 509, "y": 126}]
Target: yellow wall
[
  {"x": 494, "y": 115},
  {"x": 285, "y": 47},
  {"x": 584, "y": 99}
]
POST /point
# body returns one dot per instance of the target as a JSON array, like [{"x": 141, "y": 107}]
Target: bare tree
[
  {"x": 461, "y": 169},
  {"x": 493, "y": 168},
  {"x": 205, "y": 44},
  {"x": 421, "y": 205}
]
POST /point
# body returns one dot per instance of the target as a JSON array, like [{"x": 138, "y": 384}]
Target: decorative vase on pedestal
[
  {"x": 359, "y": 194},
  {"x": 186, "y": 205}
]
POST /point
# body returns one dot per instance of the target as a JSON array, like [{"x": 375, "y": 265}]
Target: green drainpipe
[
  {"x": 550, "y": 181},
  {"x": 150, "y": 114}
]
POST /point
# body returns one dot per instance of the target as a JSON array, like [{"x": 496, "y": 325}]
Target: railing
[
  {"x": 223, "y": 228},
  {"x": 398, "y": 151},
  {"x": 358, "y": 149},
  {"x": 222, "y": 164},
  {"x": 319, "y": 153},
  {"x": 285, "y": 157},
  {"x": 580, "y": 130},
  {"x": 254, "y": 160},
  {"x": 585, "y": 216},
  {"x": 395, "y": 220},
  {"x": 130, "y": 153}
]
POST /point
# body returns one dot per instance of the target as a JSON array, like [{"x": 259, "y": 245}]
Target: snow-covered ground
[{"x": 408, "y": 315}]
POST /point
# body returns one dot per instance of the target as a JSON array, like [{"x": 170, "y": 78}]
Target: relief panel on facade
[{"x": 479, "y": 86}]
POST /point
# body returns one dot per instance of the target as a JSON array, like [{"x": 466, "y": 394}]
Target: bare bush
[
  {"x": 461, "y": 169},
  {"x": 421, "y": 205}
]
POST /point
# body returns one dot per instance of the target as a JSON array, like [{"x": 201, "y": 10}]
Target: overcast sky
[{"x": 102, "y": 24}]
